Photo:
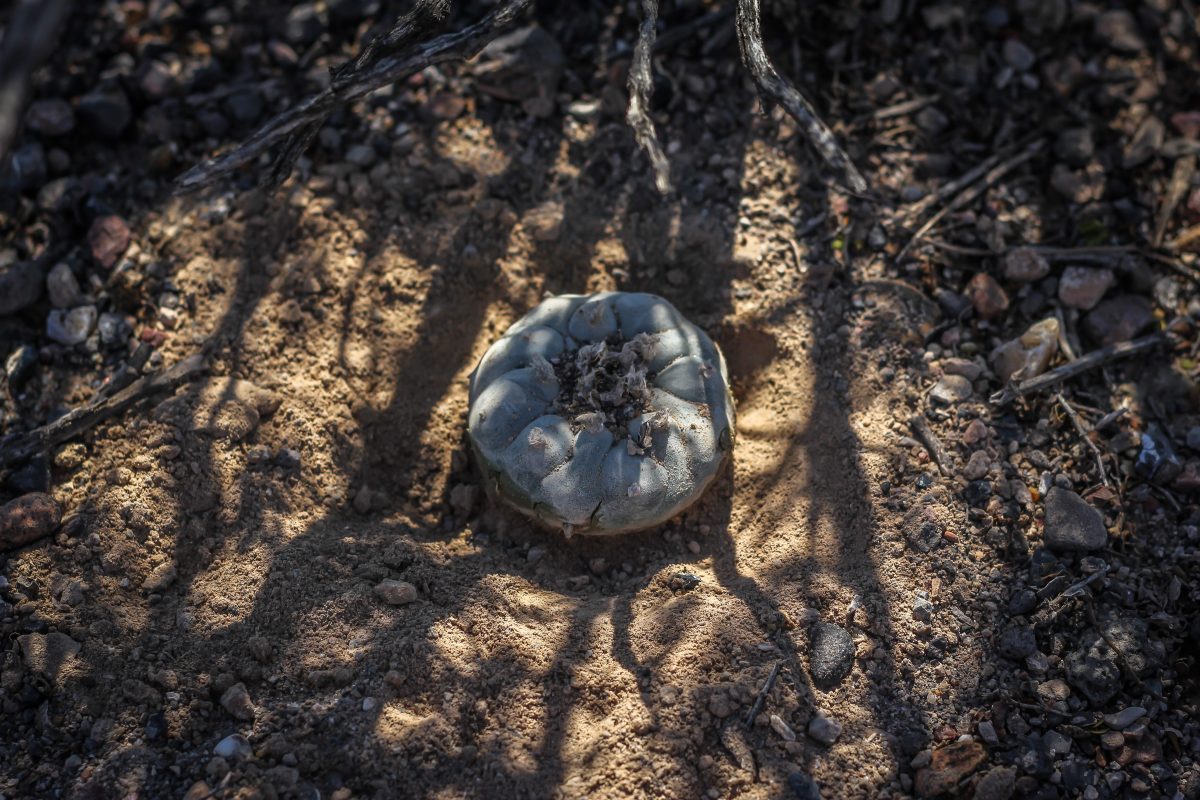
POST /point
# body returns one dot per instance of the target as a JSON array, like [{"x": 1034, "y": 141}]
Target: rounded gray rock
[{"x": 602, "y": 413}]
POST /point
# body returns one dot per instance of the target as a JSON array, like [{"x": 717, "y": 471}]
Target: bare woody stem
[
  {"x": 296, "y": 126},
  {"x": 641, "y": 88},
  {"x": 774, "y": 87}
]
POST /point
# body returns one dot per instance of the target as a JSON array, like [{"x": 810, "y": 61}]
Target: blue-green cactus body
[{"x": 601, "y": 413}]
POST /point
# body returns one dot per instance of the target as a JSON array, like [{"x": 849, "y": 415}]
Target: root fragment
[
  {"x": 775, "y": 87},
  {"x": 641, "y": 89}
]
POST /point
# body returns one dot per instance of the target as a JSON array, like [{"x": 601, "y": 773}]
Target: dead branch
[
  {"x": 19, "y": 447},
  {"x": 1096, "y": 358},
  {"x": 30, "y": 36},
  {"x": 385, "y": 64},
  {"x": 774, "y": 87},
  {"x": 641, "y": 88}
]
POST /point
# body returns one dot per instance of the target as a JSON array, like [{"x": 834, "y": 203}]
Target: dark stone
[
  {"x": 31, "y": 477},
  {"x": 925, "y": 523},
  {"x": 1032, "y": 758},
  {"x": 830, "y": 654},
  {"x": 978, "y": 493},
  {"x": 105, "y": 112},
  {"x": 1119, "y": 319},
  {"x": 1021, "y": 602},
  {"x": 1018, "y": 643},
  {"x": 20, "y": 286},
  {"x": 50, "y": 117},
  {"x": 244, "y": 106},
  {"x": 303, "y": 24},
  {"x": 26, "y": 169},
  {"x": 1094, "y": 669},
  {"x": 803, "y": 787},
  {"x": 1072, "y": 524},
  {"x": 1075, "y": 146},
  {"x": 114, "y": 331},
  {"x": 156, "y": 727}
]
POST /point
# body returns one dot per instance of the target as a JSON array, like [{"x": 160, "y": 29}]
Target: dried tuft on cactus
[{"x": 601, "y": 414}]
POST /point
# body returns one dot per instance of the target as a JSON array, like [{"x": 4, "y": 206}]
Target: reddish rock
[
  {"x": 27, "y": 519},
  {"x": 108, "y": 239},
  {"x": 950, "y": 765},
  {"x": 987, "y": 296}
]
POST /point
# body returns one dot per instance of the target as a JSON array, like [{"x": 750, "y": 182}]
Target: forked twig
[
  {"x": 641, "y": 88},
  {"x": 775, "y": 87}
]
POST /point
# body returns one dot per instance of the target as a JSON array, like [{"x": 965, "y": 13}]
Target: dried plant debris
[{"x": 601, "y": 414}]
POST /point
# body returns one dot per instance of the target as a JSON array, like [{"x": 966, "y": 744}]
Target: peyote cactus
[{"x": 601, "y": 413}]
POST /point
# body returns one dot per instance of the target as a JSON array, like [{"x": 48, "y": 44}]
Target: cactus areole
[{"x": 601, "y": 413}]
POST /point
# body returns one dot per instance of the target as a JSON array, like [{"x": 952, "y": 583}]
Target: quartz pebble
[
  {"x": 1029, "y": 354},
  {"x": 71, "y": 327},
  {"x": 233, "y": 747}
]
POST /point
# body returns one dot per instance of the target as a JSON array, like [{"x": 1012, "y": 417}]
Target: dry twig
[
  {"x": 762, "y": 695},
  {"x": 641, "y": 88},
  {"x": 19, "y": 447},
  {"x": 393, "y": 60},
  {"x": 1181, "y": 179},
  {"x": 774, "y": 87},
  {"x": 29, "y": 38},
  {"x": 976, "y": 189},
  {"x": 1096, "y": 358}
]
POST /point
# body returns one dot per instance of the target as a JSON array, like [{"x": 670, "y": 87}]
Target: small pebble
[
  {"x": 236, "y": 700},
  {"x": 27, "y": 519},
  {"x": 824, "y": 730},
  {"x": 233, "y": 747},
  {"x": 1124, "y": 718},
  {"x": 396, "y": 593},
  {"x": 951, "y": 390}
]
